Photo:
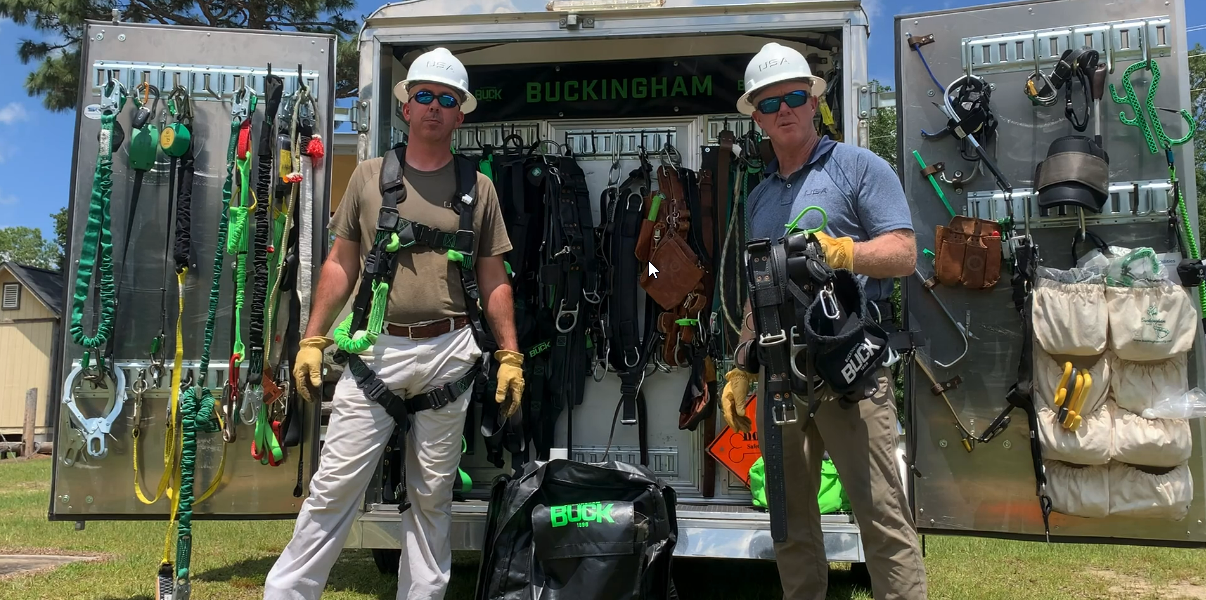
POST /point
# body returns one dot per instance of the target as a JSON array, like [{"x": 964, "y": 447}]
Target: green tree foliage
[
  {"x": 61, "y": 234},
  {"x": 882, "y": 129},
  {"x": 1197, "y": 101},
  {"x": 24, "y": 245},
  {"x": 61, "y": 23}
]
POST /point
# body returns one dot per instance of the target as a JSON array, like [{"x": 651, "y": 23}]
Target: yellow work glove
[
  {"x": 839, "y": 252},
  {"x": 510, "y": 381},
  {"x": 307, "y": 367},
  {"x": 733, "y": 399}
]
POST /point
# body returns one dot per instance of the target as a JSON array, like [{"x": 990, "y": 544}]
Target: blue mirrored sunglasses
[
  {"x": 426, "y": 96},
  {"x": 794, "y": 99}
]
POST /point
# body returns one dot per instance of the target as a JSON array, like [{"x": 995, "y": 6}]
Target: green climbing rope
[{"x": 97, "y": 246}]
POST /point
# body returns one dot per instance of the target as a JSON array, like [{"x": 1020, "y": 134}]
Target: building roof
[{"x": 46, "y": 284}]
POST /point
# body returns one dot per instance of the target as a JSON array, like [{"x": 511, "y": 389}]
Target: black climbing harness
[{"x": 395, "y": 234}]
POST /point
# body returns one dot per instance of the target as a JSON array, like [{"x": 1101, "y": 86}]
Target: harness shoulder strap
[{"x": 393, "y": 190}]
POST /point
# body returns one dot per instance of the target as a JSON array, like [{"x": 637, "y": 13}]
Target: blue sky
[{"x": 35, "y": 144}]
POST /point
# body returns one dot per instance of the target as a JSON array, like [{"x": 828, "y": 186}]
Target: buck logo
[
  {"x": 583, "y": 514},
  {"x": 858, "y": 359}
]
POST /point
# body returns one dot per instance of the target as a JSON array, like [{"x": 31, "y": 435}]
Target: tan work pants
[{"x": 861, "y": 441}]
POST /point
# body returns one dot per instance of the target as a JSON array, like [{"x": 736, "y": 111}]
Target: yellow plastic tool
[
  {"x": 1078, "y": 403},
  {"x": 1061, "y": 391}
]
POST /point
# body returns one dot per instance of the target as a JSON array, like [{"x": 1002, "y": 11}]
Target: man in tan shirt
[{"x": 427, "y": 344}]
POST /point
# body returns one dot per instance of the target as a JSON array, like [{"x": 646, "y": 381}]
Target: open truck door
[
  {"x": 969, "y": 479},
  {"x": 113, "y": 408},
  {"x": 601, "y": 84}
]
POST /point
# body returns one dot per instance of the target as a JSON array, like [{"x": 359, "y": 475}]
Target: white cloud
[
  {"x": 7, "y": 199},
  {"x": 12, "y": 112}
]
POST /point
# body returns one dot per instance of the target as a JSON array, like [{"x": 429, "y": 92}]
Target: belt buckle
[
  {"x": 440, "y": 398},
  {"x": 783, "y": 412}
]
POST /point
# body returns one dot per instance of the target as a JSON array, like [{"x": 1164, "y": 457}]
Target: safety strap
[
  {"x": 768, "y": 284},
  {"x": 96, "y": 247},
  {"x": 232, "y": 232},
  {"x": 253, "y": 393}
]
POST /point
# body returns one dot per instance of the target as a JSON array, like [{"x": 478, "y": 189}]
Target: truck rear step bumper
[{"x": 704, "y": 530}]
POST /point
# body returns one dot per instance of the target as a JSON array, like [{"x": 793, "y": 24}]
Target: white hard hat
[
  {"x": 772, "y": 64},
  {"x": 438, "y": 66}
]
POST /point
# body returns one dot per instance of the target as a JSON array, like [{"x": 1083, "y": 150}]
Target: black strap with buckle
[{"x": 767, "y": 295}]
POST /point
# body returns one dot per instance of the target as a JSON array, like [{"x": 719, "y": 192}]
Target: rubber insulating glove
[
  {"x": 839, "y": 252},
  {"x": 307, "y": 368},
  {"x": 510, "y": 381},
  {"x": 733, "y": 399}
]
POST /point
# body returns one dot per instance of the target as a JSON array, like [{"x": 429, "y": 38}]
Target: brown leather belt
[{"x": 430, "y": 330}]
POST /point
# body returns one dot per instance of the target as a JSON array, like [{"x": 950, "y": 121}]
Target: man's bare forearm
[
  {"x": 334, "y": 288},
  {"x": 893, "y": 254},
  {"x": 500, "y": 312},
  {"x": 497, "y": 302}
]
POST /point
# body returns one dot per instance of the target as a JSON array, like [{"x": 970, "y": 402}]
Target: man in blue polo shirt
[{"x": 869, "y": 231}]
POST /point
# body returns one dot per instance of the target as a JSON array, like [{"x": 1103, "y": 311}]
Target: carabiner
[
  {"x": 242, "y": 103},
  {"x": 830, "y": 307},
  {"x": 113, "y": 97},
  {"x": 561, "y": 314},
  {"x": 139, "y": 387},
  {"x": 671, "y": 156}
]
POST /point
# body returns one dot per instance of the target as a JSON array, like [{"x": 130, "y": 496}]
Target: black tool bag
[{"x": 568, "y": 530}]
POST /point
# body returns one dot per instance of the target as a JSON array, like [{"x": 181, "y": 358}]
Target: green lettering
[
  {"x": 657, "y": 87},
  {"x": 679, "y": 84},
  {"x": 701, "y": 87},
  {"x": 549, "y": 88},
  {"x": 568, "y": 98},
  {"x": 588, "y": 512},
  {"x": 533, "y": 91},
  {"x": 605, "y": 513},
  {"x": 588, "y": 90},
  {"x": 641, "y": 83},
  {"x": 557, "y": 515},
  {"x": 575, "y": 513},
  {"x": 620, "y": 86}
]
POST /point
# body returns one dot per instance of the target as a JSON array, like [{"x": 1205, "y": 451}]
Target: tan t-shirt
[{"x": 427, "y": 285}]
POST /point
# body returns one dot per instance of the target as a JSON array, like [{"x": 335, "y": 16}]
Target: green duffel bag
[{"x": 832, "y": 498}]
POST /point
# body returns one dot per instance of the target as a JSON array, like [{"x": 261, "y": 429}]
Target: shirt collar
[{"x": 823, "y": 147}]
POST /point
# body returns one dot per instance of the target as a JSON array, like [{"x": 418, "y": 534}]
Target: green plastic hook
[{"x": 791, "y": 227}]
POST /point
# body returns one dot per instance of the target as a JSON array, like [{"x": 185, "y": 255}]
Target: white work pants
[{"x": 357, "y": 432}]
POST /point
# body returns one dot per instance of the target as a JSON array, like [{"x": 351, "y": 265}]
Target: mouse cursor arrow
[{"x": 652, "y": 271}]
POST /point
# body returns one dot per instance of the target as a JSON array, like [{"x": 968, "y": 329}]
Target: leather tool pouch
[
  {"x": 678, "y": 270},
  {"x": 644, "y": 243},
  {"x": 968, "y": 253}
]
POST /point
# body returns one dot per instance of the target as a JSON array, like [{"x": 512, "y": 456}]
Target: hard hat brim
[
  {"x": 745, "y": 104},
  {"x": 402, "y": 93}
]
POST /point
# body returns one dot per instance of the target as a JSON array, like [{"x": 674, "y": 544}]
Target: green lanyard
[{"x": 97, "y": 245}]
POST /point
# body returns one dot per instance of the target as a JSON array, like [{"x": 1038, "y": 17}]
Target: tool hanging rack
[{"x": 205, "y": 83}]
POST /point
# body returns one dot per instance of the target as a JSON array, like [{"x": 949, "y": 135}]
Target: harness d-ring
[
  {"x": 795, "y": 351},
  {"x": 95, "y": 429},
  {"x": 824, "y": 220}
]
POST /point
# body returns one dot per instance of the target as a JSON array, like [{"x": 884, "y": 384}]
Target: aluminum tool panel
[
  {"x": 100, "y": 488},
  {"x": 991, "y": 490}
]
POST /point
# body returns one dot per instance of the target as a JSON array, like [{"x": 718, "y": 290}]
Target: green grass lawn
[{"x": 231, "y": 559}]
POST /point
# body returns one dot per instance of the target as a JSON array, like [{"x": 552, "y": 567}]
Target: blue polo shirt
[{"x": 858, "y": 190}]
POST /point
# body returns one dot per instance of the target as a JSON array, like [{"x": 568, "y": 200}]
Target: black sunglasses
[
  {"x": 426, "y": 96},
  {"x": 794, "y": 99}
]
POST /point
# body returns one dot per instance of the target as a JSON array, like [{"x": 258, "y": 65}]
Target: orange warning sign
[{"x": 738, "y": 451}]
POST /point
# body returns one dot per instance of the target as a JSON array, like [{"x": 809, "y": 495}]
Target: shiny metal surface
[
  {"x": 991, "y": 490},
  {"x": 93, "y": 487},
  {"x": 713, "y": 532}
]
